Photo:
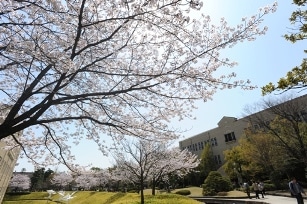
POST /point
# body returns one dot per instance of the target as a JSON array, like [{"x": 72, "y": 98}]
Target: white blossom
[
  {"x": 77, "y": 70},
  {"x": 20, "y": 181}
]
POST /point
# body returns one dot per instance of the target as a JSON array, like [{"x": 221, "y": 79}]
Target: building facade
[
  {"x": 230, "y": 129},
  {"x": 8, "y": 159}
]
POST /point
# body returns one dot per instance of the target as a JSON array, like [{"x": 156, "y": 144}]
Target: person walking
[
  {"x": 247, "y": 189},
  {"x": 297, "y": 190},
  {"x": 261, "y": 188},
  {"x": 256, "y": 189}
]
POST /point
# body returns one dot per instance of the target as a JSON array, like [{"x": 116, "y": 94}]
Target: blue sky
[{"x": 264, "y": 60}]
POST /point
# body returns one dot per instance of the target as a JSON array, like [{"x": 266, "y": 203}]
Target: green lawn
[{"x": 93, "y": 197}]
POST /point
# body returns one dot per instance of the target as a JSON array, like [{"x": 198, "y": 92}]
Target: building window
[
  {"x": 230, "y": 137},
  {"x": 217, "y": 159}
]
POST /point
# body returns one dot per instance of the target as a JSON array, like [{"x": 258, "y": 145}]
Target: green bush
[
  {"x": 269, "y": 187},
  {"x": 275, "y": 178},
  {"x": 18, "y": 193},
  {"x": 183, "y": 192},
  {"x": 215, "y": 183},
  {"x": 207, "y": 191}
]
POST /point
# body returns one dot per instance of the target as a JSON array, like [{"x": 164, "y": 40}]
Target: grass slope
[{"x": 93, "y": 197}]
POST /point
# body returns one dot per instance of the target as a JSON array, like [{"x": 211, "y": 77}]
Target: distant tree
[
  {"x": 263, "y": 154},
  {"x": 20, "y": 182},
  {"x": 172, "y": 161},
  {"x": 95, "y": 169},
  {"x": 297, "y": 77},
  {"x": 87, "y": 69},
  {"x": 87, "y": 180},
  {"x": 148, "y": 161},
  {"x": 287, "y": 124},
  {"x": 134, "y": 161},
  {"x": 104, "y": 177},
  {"x": 37, "y": 179},
  {"x": 47, "y": 177},
  {"x": 62, "y": 180},
  {"x": 207, "y": 163},
  {"x": 235, "y": 164},
  {"x": 41, "y": 179}
]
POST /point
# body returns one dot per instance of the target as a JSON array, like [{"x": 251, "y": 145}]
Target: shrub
[
  {"x": 207, "y": 191},
  {"x": 183, "y": 192},
  {"x": 275, "y": 178},
  {"x": 269, "y": 187},
  {"x": 18, "y": 193},
  {"x": 215, "y": 183}
]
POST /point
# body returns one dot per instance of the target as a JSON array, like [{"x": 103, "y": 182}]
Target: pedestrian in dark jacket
[{"x": 296, "y": 190}]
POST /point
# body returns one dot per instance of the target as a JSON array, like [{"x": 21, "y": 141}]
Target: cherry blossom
[
  {"x": 75, "y": 70},
  {"x": 87, "y": 180},
  {"x": 20, "y": 181},
  {"x": 62, "y": 179},
  {"x": 150, "y": 161}
]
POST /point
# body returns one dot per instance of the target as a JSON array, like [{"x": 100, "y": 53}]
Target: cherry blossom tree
[
  {"x": 74, "y": 70},
  {"x": 20, "y": 181},
  {"x": 149, "y": 161},
  {"x": 87, "y": 180},
  {"x": 93, "y": 178},
  {"x": 172, "y": 161},
  {"x": 134, "y": 162},
  {"x": 104, "y": 177},
  {"x": 62, "y": 179}
]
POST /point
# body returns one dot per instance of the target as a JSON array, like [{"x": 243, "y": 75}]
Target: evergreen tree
[{"x": 207, "y": 163}]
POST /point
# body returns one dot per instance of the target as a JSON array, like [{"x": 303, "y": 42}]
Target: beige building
[
  {"x": 231, "y": 129},
  {"x": 8, "y": 159}
]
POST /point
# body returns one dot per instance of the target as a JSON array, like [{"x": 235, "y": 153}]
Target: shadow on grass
[{"x": 114, "y": 198}]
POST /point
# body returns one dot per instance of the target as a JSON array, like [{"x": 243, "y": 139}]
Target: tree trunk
[
  {"x": 153, "y": 187},
  {"x": 142, "y": 193},
  {"x": 142, "y": 189}
]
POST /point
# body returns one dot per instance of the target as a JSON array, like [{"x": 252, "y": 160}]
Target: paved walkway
[
  {"x": 273, "y": 199},
  {"x": 268, "y": 199}
]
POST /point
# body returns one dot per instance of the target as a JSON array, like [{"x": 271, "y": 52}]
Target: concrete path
[
  {"x": 272, "y": 199},
  {"x": 268, "y": 199}
]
